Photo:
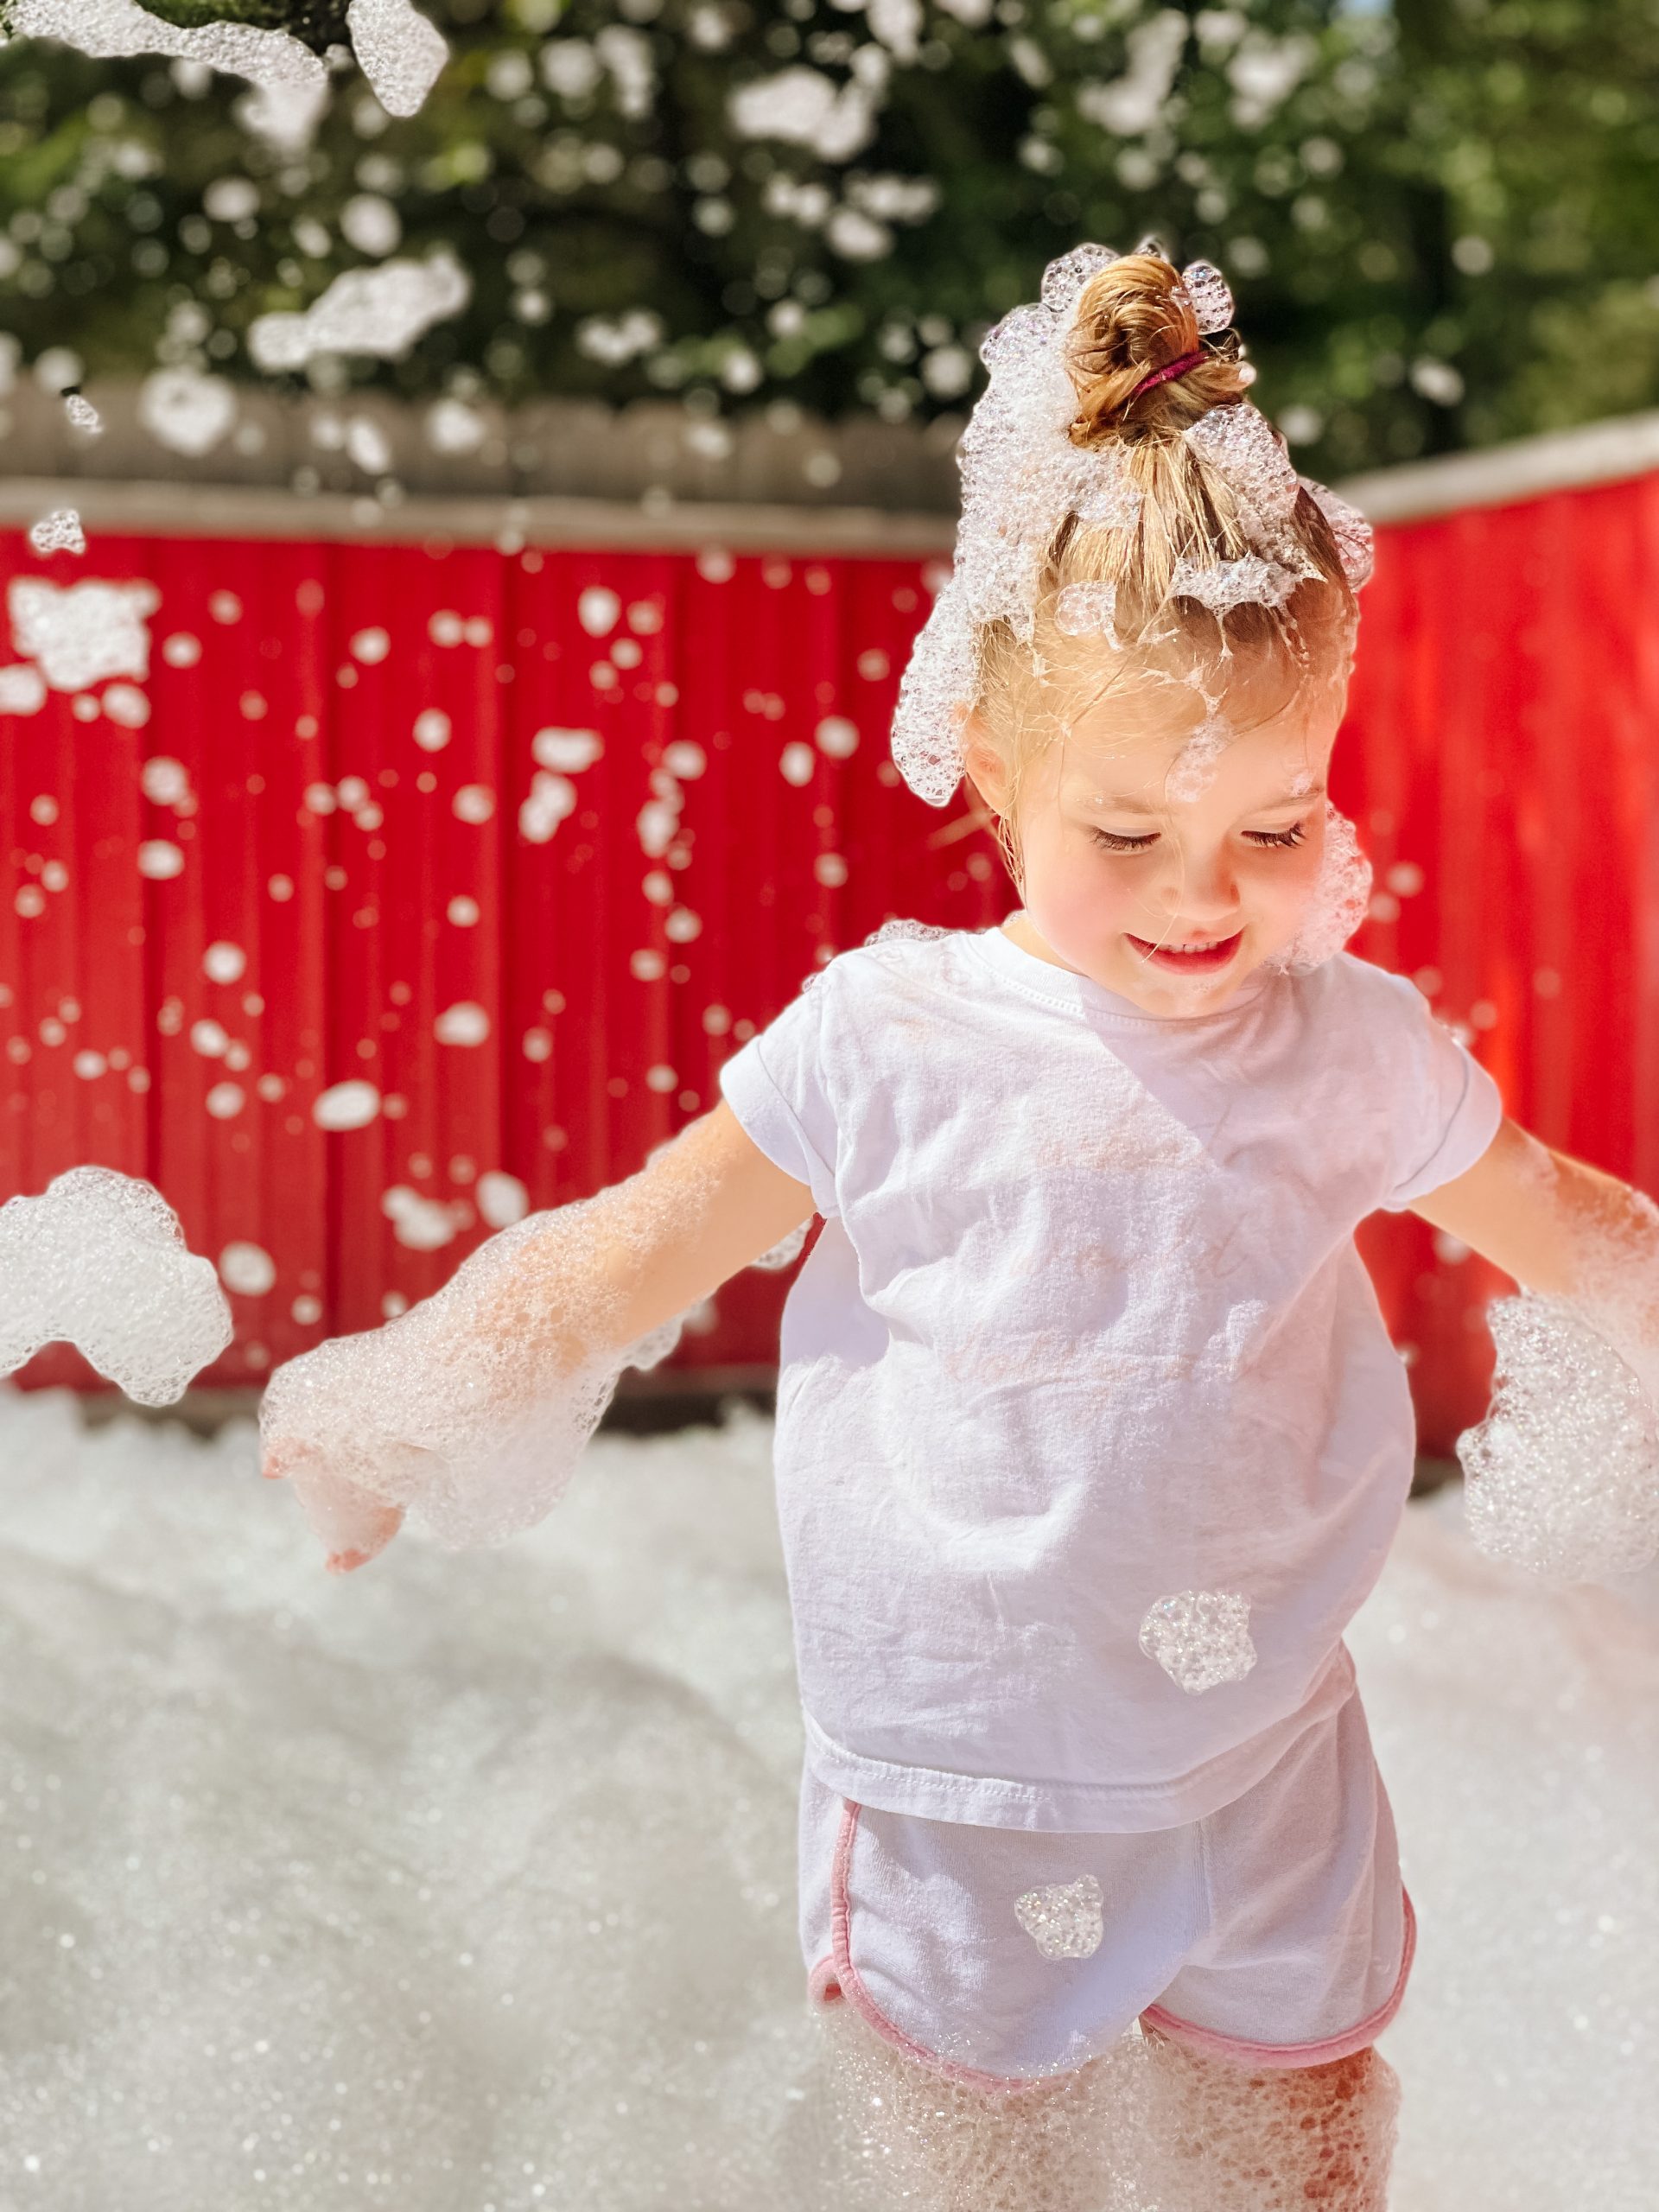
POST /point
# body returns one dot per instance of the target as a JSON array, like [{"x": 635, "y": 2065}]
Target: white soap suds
[
  {"x": 59, "y": 532},
  {"x": 380, "y": 311},
  {"x": 99, "y": 1261},
  {"x": 1201, "y": 1639},
  {"x": 81, "y": 633},
  {"x": 1563, "y": 1473},
  {"x": 1063, "y": 1919}
]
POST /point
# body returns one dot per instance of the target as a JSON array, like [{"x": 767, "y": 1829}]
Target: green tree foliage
[{"x": 1438, "y": 216}]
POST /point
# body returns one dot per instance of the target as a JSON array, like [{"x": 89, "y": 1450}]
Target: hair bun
[{"x": 1132, "y": 317}]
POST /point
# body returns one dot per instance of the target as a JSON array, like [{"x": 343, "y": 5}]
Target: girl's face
[{"x": 1167, "y": 864}]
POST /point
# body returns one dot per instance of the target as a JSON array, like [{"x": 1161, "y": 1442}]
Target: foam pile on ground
[{"x": 504, "y": 1842}]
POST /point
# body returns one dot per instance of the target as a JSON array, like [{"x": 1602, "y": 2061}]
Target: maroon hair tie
[{"x": 1167, "y": 373}]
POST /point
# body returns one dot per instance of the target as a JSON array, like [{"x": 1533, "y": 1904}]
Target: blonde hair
[{"x": 1132, "y": 318}]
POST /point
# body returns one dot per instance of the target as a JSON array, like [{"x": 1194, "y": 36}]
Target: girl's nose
[{"x": 1201, "y": 890}]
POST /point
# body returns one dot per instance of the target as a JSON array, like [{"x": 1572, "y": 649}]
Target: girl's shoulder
[
  {"x": 1360, "y": 986},
  {"x": 903, "y": 956}
]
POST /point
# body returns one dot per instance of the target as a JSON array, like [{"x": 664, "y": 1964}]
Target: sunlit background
[{"x": 472, "y": 474}]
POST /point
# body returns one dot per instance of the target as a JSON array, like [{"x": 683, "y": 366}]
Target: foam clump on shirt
[
  {"x": 98, "y": 1259},
  {"x": 1201, "y": 1639}
]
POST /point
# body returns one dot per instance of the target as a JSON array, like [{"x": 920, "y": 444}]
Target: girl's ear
[{"x": 984, "y": 763}]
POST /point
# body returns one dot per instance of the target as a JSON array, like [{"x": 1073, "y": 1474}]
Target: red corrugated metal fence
[{"x": 519, "y": 846}]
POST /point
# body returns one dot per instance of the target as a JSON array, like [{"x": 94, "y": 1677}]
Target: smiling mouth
[{"x": 1201, "y": 958}]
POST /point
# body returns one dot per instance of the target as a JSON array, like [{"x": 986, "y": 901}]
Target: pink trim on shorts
[
  {"x": 836, "y": 1976},
  {"x": 1287, "y": 2055}
]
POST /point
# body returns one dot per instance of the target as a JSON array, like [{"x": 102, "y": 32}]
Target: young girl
[{"x": 1090, "y": 1438}]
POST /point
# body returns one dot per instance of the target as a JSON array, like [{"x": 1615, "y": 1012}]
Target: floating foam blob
[
  {"x": 186, "y": 411},
  {"x": 400, "y": 52},
  {"x": 374, "y": 311},
  {"x": 108, "y": 29},
  {"x": 246, "y": 1268},
  {"x": 83, "y": 416},
  {"x": 1201, "y": 1639},
  {"x": 803, "y": 107},
  {"x": 423, "y": 1224},
  {"x": 1563, "y": 1473},
  {"x": 81, "y": 633},
  {"x": 1064, "y": 1919},
  {"x": 59, "y": 532},
  {"x": 99, "y": 1260},
  {"x": 22, "y": 689},
  {"x": 349, "y": 1105}
]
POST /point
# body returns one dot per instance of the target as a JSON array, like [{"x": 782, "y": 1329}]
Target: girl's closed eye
[{"x": 1114, "y": 840}]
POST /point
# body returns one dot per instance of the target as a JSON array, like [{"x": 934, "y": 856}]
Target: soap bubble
[
  {"x": 83, "y": 416},
  {"x": 399, "y": 50},
  {"x": 184, "y": 409},
  {"x": 350, "y": 1105},
  {"x": 59, "y": 532},
  {"x": 1201, "y": 1639},
  {"x": 1563, "y": 1473},
  {"x": 81, "y": 633},
  {"x": 22, "y": 689},
  {"x": 376, "y": 311},
  {"x": 246, "y": 1268},
  {"x": 99, "y": 1260},
  {"x": 107, "y": 28},
  {"x": 1064, "y": 1919}
]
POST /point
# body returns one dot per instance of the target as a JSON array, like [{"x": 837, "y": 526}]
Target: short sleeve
[
  {"x": 775, "y": 1087},
  {"x": 1445, "y": 1108}
]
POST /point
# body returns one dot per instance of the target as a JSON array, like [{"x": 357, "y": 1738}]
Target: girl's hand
[{"x": 352, "y": 1525}]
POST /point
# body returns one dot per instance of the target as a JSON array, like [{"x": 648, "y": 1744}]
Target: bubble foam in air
[
  {"x": 108, "y": 29},
  {"x": 81, "y": 633},
  {"x": 399, "y": 50},
  {"x": 380, "y": 311},
  {"x": 99, "y": 1260}
]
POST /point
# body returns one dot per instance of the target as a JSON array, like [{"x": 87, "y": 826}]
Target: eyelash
[{"x": 1112, "y": 842}]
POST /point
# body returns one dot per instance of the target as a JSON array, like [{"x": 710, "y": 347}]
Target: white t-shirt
[{"x": 1086, "y": 1329}]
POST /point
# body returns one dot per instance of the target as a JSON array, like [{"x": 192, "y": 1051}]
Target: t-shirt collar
[{"x": 1063, "y": 987}]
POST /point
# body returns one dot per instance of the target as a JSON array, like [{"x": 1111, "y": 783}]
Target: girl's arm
[
  {"x": 473, "y": 1406},
  {"x": 1557, "y": 1226},
  {"x": 1562, "y": 1476}
]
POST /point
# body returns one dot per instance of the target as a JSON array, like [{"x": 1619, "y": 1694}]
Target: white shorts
[{"x": 1275, "y": 1932}]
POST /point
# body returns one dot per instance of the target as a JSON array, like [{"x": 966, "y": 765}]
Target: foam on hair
[{"x": 1116, "y": 538}]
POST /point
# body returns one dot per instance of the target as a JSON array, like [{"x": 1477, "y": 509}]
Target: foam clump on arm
[
  {"x": 1563, "y": 1473},
  {"x": 468, "y": 1413}
]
